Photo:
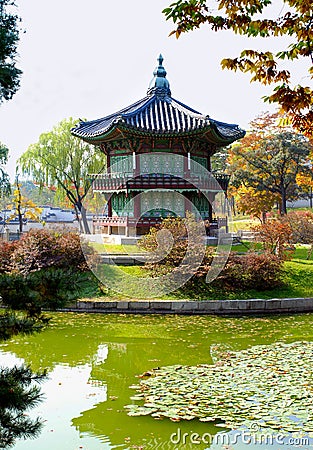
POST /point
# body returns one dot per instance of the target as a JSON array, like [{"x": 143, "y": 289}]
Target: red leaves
[{"x": 40, "y": 249}]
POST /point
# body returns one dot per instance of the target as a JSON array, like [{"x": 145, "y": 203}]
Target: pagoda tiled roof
[{"x": 161, "y": 115}]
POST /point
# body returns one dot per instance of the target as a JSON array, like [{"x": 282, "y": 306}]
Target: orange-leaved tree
[
  {"x": 255, "y": 202},
  {"x": 258, "y": 18},
  {"x": 269, "y": 159}
]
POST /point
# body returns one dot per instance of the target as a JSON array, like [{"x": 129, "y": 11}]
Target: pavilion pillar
[
  {"x": 110, "y": 197},
  {"x": 137, "y": 206},
  {"x": 210, "y": 196},
  {"x": 209, "y": 163},
  {"x": 187, "y": 164},
  {"x": 136, "y": 164},
  {"x": 187, "y": 206}
]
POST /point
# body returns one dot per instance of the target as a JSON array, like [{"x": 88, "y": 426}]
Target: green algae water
[{"x": 92, "y": 360}]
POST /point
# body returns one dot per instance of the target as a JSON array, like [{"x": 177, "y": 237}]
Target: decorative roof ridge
[
  {"x": 119, "y": 113},
  {"x": 187, "y": 110},
  {"x": 141, "y": 108},
  {"x": 159, "y": 86},
  {"x": 224, "y": 124}
]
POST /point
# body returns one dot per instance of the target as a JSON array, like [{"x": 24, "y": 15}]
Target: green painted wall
[{"x": 122, "y": 205}]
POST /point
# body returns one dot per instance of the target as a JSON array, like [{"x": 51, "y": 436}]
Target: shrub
[
  {"x": 39, "y": 249},
  {"x": 301, "y": 224},
  {"x": 251, "y": 271},
  {"x": 49, "y": 288},
  {"x": 6, "y": 251},
  {"x": 169, "y": 242},
  {"x": 242, "y": 272},
  {"x": 12, "y": 324},
  {"x": 275, "y": 236}
]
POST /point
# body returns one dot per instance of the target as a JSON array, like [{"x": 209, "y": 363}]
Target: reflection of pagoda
[{"x": 158, "y": 126}]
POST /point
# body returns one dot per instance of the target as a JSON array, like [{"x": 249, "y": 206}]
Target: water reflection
[{"x": 93, "y": 359}]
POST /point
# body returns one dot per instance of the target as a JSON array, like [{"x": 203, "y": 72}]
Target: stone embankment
[{"x": 218, "y": 307}]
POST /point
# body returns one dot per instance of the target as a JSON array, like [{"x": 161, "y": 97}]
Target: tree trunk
[
  {"x": 19, "y": 211},
  {"x": 283, "y": 207},
  {"x": 20, "y": 218},
  {"x": 78, "y": 218},
  {"x": 83, "y": 220},
  {"x": 263, "y": 220}
]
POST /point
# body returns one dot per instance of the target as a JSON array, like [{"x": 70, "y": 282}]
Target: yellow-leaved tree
[
  {"x": 23, "y": 208},
  {"x": 255, "y": 202}
]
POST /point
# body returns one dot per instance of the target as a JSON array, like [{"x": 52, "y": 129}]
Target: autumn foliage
[
  {"x": 41, "y": 249},
  {"x": 256, "y": 19},
  {"x": 267, "y": 160},
  {"x": 275, "y": 236},
  {"x": 241, "y": 272},
  {"x": 254, "y": 202},
  {"x": 301, "y": 224}
]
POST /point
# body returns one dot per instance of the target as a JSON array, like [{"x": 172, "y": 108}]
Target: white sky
[{"x": 87, "y": 59}]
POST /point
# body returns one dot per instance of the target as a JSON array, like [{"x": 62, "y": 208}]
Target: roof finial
[{"x": 159, "y": 85}]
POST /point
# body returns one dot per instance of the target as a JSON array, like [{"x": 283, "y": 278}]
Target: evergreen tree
[
  {"x": 19, "y": 391},
  {"x": 9, "y": 37}
]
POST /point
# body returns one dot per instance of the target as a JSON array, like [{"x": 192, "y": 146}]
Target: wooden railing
[
  {"x": 126, "y": 181},
  {"x": 104, "y": 221}
]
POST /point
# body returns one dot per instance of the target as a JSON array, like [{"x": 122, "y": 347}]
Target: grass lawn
[
  {"x": 115, "y": 248},
  {"x": 297, "y": 280},
  {"x": 242, "y": 224}
]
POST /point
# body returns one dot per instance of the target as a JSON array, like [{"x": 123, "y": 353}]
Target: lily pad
[{"x": 266, "y": 385}]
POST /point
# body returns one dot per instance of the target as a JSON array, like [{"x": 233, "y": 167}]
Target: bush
[
  {"x": 49, "y": 289},
  {"x": 6, "y": 251},
  {"x": 275, "y": 236},
  {"x": 12, "y": 324},
  {"x": 251, "y": 271},
  {"x": 40, "y": 249},
  {"x": 301, "y": 224},
  {"x": 169, "y": 242},
  {"x": 242, "y": 272}
]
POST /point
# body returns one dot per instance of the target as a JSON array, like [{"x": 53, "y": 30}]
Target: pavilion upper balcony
[{"x": 112, "y": 182}]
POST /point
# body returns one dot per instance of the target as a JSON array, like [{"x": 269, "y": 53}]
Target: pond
[{"x": 92, "y": 360}]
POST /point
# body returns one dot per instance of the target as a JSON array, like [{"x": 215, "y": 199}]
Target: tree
[
  {"x": 254, "y": 202},
  {"x": 23, "y": 208},
  {"x": 9, "y": 36},
  {"x": 40, "y": 195},
  {"x": 66, "y": 162},
  {"x": 4, "y": 177},
  {"x": 267, "y": 159},
  {"x": 18, "y": 392},
  {"x": 255, "y": 19}
]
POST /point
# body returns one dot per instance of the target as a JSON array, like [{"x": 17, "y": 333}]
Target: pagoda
[{"x": 154, "y": 150}]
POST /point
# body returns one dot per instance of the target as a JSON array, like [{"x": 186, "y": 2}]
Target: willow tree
[
  {"x": 61, "y": 160},
  {"x": 257, "y": 18}
]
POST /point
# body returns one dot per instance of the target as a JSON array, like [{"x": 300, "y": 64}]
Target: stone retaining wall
[{"x": 220, "y": 307}]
